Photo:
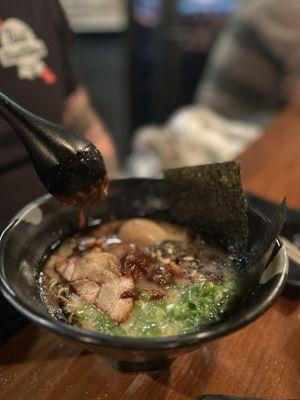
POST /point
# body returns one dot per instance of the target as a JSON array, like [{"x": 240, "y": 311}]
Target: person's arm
[
  {"x": 78, "y": 113},
  {"x": 255, "y": 65},
  {"x": 240, "y": 78},
  {"x": 80, "y": 116}
]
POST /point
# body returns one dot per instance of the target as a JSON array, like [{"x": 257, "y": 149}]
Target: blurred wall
[{"x": 101, "y": 61}]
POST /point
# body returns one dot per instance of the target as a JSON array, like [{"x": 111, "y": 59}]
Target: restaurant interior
[{"x": 150, "y": 199}]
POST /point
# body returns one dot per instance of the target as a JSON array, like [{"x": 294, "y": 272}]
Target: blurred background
[
  {"x": 130, "y": 54},
  {"x": 176, "y": 82}
]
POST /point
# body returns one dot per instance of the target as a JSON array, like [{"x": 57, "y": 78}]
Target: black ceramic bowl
[{"x": 43, "y": 222}]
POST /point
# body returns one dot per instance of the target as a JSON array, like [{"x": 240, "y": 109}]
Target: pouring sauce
[
  {"x": 70, "y": 167},
  {"x": 85, "y": 200}
]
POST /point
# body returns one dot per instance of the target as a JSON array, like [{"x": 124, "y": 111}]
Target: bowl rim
[{"x": 210, "y": 332}]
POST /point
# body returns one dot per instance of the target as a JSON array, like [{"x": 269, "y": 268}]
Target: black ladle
[{"x": 70, "y": 167}]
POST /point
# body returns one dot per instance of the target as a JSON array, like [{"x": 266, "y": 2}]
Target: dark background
[{"x": 141, "y": 75}]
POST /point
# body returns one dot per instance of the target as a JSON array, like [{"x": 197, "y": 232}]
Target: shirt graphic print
[{"x": 20, "y": 48}]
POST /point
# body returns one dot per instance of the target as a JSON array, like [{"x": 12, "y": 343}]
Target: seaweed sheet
[{"x": 210, "y": 199}]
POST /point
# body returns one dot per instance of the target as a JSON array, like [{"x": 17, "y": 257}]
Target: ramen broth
[{"x": 139, "y": 278}]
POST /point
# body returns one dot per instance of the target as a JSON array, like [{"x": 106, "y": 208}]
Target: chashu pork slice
[{"x": 96, "y": 277}]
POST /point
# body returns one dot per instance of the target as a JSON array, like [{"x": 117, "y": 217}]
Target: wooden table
[{"x": 261, "y": 360}]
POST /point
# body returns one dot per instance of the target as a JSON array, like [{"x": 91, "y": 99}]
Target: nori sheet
[{"x": 210, "y": 199}]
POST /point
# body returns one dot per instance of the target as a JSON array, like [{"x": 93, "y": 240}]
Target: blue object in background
[
  {"x": 149, "y": 5},
  {"x": 198, "y": 7},
  {"x": 147, "y": 12}
]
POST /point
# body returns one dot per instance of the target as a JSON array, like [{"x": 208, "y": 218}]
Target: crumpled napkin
[{"x": 193, "y": 135}]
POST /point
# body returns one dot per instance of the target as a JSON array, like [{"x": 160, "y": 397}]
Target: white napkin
[{"x": 193, "y": 135}]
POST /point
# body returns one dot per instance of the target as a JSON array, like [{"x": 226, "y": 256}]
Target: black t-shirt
[
  {"x": 35, "y": 67},
  {"x": 35, "y": 71}
]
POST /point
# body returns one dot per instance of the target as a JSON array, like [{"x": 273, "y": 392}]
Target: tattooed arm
[{"x": 80, "y": 116}]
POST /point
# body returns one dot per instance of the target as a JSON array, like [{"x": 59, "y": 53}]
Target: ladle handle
[
  {"x": 16, "y": 116},
  {"x": 32, "y": 130},
  {"x": 66, "y": 162}
]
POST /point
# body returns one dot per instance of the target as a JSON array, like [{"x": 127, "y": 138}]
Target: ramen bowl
[{"x": 40, "y": 225}]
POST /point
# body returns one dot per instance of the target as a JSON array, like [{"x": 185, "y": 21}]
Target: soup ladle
[{"x": 69, "y": 166}]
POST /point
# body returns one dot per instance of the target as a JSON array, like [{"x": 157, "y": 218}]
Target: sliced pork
[{"x": 96, "y": 277}]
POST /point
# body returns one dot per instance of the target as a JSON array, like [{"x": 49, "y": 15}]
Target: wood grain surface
[
  {"x": 261, "y": 360},
  {"x": 271, "y": 166}
]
